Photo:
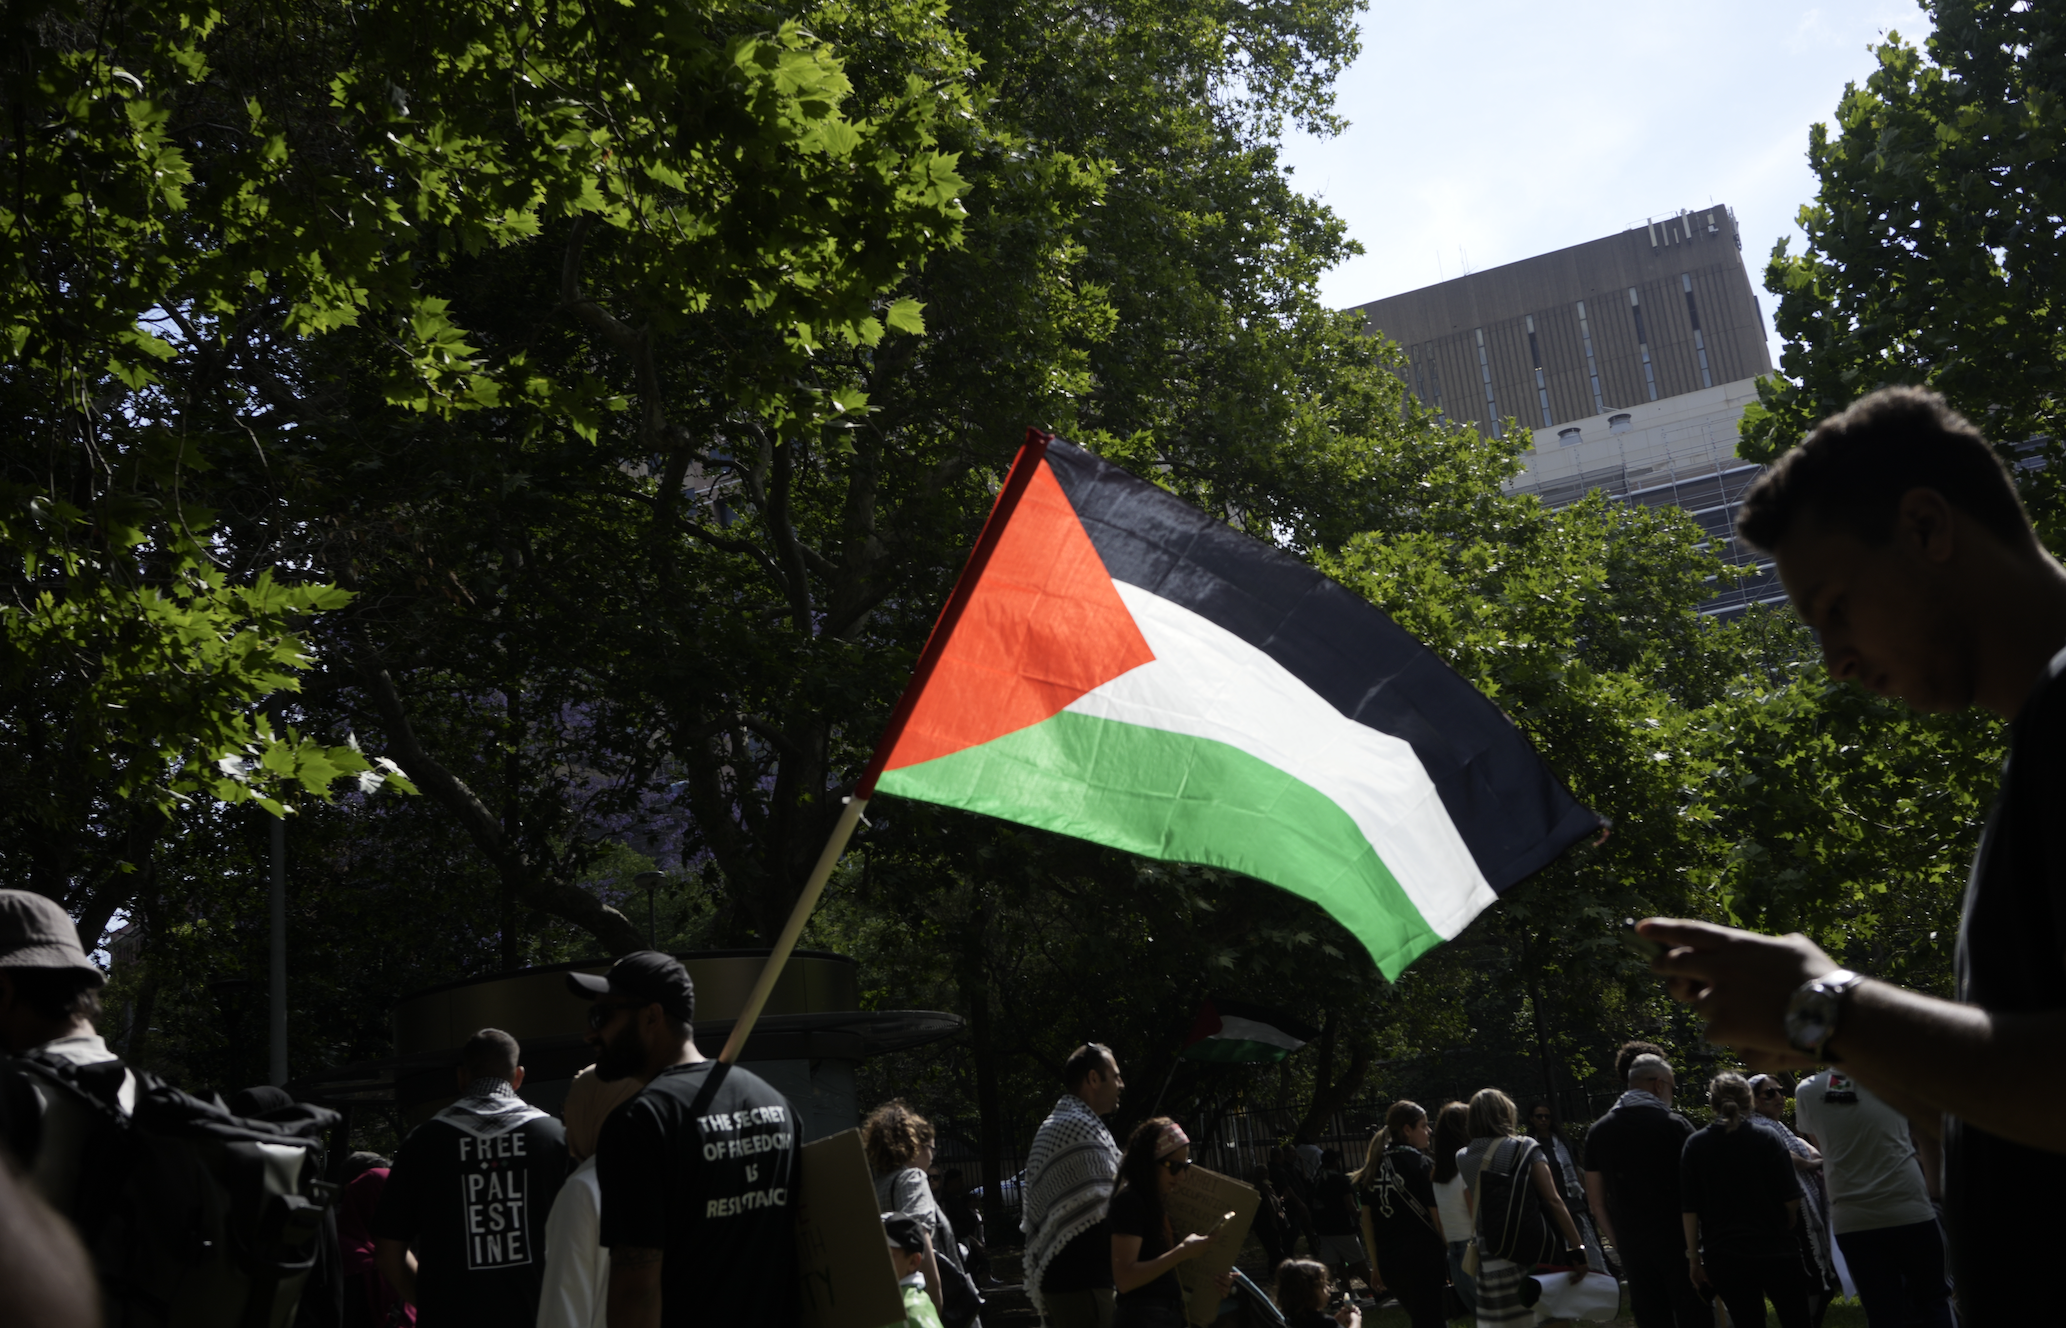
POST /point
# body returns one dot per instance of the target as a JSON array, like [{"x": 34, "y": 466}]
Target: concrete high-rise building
[{"x": 1630, "y": 358}]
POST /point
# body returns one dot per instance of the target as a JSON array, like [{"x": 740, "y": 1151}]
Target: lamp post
[
  {"x": 651, "y": 880},
  {"x": 278, "y": 1029}
]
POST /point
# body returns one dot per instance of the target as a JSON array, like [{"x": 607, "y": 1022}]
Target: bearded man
[{"x": 698, "y": 1173}]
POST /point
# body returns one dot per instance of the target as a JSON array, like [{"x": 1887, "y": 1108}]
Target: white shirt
[
  {"x": 577, "y": 1267},
  {"x": 1868, "y": 1159},
  {"x": 1456, "y": 1223}
]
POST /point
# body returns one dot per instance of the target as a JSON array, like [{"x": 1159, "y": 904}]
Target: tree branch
[
  {"x": 786, "y": 543},
  {"x": 536, "y": 890}
]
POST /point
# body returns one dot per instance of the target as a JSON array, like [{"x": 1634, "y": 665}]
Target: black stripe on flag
[{"x": 1514, "y": 815}]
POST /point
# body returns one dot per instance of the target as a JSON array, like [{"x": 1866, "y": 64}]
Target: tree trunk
[
  {"x": 1542, "y": 1051},
  {"x": 1330, "y": 1095},
  {"x": 512, "y": 831}
]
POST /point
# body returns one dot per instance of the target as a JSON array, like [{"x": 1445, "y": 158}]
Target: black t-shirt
[
  {"x": 474, "y": 1210},
  {"x": 1636, "y": 1151},
  {"x": 2000, "y": 1198},
  {"x": 1739, "y": 1184},
  {"x": 1334, "y": 1205},
  {"x": 1084, "y": 1264},
  {"x": 1404, "y": 1231},
  {"x": 1129, "y": 1216},
  {"x": 702, "y": 1166}
]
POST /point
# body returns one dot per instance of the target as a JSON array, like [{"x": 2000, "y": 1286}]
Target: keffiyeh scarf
[
  {"x": 1070, "y": 1171},
  {"x": 1637, "y": 1097},
  {"x": 488, "y": 1108}
]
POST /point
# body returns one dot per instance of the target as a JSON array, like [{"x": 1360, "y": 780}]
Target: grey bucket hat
[{"x": 36, "y": 932}]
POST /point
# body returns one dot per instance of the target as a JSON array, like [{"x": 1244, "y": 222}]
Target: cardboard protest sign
[
  {"x": 842, "y": 1257},
  {"x": 1195, "y": 1205}
]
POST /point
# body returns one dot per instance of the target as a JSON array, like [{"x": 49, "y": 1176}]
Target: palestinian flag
[
  {"x": 1237, "y": 1033},
  {"x": 1114, "y": 664}
]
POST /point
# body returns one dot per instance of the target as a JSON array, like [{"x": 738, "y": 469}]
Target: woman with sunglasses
[
  {"x": 1768, "y": 1112},
  {"x": 1145, "y": 1251}
]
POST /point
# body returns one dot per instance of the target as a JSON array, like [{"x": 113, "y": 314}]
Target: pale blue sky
[{"x": 1493, "y": 130}]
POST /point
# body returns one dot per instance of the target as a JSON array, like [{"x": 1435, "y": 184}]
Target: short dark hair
[
  {"x": 58, "y": 993},
  {"x": 1090, "y": 1056},
  {"x": 489, "y": 1054},
  {"x": 1627, "y": 1057},
  {"x": 1302, "y": 1285},
  {"x": 1851, "y": 470}
]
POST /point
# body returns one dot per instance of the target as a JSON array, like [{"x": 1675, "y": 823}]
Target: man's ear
[
  {"x": 1925, "y": 522},
  {"x": 517, "y": 1079}
]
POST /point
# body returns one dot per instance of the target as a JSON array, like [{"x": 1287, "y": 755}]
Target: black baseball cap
[
  {"x": 903, "y": 1232},
  {"x": 645, "y": 976}
]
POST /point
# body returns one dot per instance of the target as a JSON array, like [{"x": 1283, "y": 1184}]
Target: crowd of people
[
  {"x": 1467, "y": 1211},
  {"x": 666, "y": 1190}
]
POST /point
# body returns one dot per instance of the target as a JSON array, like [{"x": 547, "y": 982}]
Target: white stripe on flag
[
  {"x": 1205, "y": 682},
  {"x": 1234, "y": 1028}
]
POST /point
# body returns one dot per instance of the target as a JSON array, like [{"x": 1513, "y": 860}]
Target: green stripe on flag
[
  {"x": 1181, "y": 799},
  {"x": 1234, "y": 1051}
]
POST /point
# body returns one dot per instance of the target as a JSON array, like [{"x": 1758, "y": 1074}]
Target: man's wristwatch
[{"x": 1812, "y": 1013}]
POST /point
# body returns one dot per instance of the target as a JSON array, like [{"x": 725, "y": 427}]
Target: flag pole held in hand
[{"x": 806, "y": 902}]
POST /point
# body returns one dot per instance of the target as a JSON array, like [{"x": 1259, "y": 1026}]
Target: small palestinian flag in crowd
[
  {"x": 1237, "y": 1033},
  {"x": 1117, "y": 665}
]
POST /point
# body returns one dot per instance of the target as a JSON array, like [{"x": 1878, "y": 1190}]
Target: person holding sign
[{"x": 1145, "y": 1251}]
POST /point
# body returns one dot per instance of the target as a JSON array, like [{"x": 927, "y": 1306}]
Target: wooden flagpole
[{"x": 806, "y": 902}]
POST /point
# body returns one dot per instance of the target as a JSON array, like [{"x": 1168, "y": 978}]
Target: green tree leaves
[{"x": 1935, "y": 243}]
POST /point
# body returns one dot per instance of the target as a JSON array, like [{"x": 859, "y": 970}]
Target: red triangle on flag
[
  {"x": 1042, "y": 625},
  {"x": 1206, "y": 1024}
]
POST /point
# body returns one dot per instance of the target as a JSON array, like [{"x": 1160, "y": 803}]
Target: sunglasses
[
  {"x": 1769, "y": 1092},
  {"x": 1176, "y": 1166},
  {"x": 602, "y": 1012}
]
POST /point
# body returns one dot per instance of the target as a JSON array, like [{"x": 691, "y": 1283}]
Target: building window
[
  {"x": 1699, "y": 338},
  {"x": 1541, "y": 388},
  {"x": 1619, "y": 423},
  {"x": 1643, "y": 344},
  {"x": 1570, "y": 436},
  {"x": 1485, "y": 373},
  {"x": 1592, "y": 369}
]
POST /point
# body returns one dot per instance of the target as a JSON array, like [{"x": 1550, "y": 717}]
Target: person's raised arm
[
  {"x": 1925, "y": 1057},
  {"x": 398, "y": 1265},
  {"x": 1130, "y": 1273},
  {"x": 634, "y": 1300}
]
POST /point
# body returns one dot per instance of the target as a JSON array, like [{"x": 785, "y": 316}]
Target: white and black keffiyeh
[
  {"x": 488, "y": 1108},
  {"x": 1637, "y": 1097},
  {"x": 1070, "y": 1171}
]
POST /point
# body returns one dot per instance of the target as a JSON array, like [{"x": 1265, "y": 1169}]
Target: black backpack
[
  {"x": 1511, "y": 1224},
  {"x": 194, "y": 1217},
  {"x": 1396, "y": 1216}
]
